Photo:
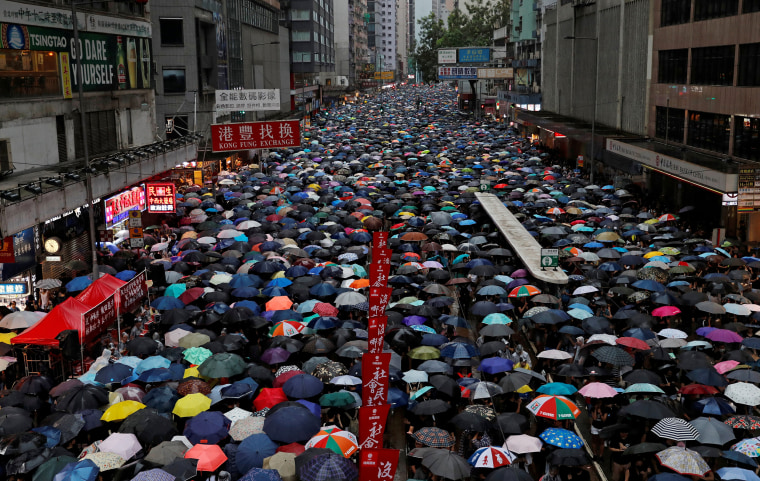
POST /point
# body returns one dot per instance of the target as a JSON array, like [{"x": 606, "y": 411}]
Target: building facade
[{"x": 312, "y": 51}]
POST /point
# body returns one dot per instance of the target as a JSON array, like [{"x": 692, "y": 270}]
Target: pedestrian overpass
[{"x": 523, "y": 244}]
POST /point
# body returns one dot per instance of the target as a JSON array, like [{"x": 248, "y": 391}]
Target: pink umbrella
[
  {"x": 725, "y": 366},
  {"x": 597, "y": 390},
  {"x": 724, "y": 335},
  {"x": 666, "y": 311}
]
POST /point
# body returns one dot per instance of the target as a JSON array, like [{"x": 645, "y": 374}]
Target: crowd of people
[{"x": 246, "y": 365}]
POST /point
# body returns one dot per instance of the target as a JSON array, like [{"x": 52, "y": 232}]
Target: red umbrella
[
  {"x": 294, "y": 448},
  {"x": 269, "y": 398},
  {"x": 324, "y": 309},
  {"x": 210, "y": 456},
  {"x": 192, "y": 294},
  {"x": 633, "y": 343},
  {"x": 284, "y": 377},
  {"x": 698, "y": 389}
]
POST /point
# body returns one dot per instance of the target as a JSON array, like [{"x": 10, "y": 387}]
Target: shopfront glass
[{"x": 28, "y": 73}]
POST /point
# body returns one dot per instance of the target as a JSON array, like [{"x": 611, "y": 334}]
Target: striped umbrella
[
  {"x": 524, "y": 291},
  {"x": 676, "y": 429},
  {"x": 335, "y": 439},
  {"x": 554, "y": 407},
  {"x": 491, "y": 457},
  {"x": 286, "y": 328}
]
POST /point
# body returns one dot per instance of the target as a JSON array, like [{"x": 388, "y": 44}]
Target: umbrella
[
  {"x": 252, "y": 451},
  {"x": 554, "y": 407},
  {"x": 191, "y": 405},
  {"x": 490, "y": 457},
  {"x": 712, "y": 431},
  {"x": 291, "y": 424},
  {"x": 434, "y": 437},
  {"x": 743, "y": 393},
  {"x": 84, "y": 470},
  {"x": 561, "y": 438},
  {"x": 124, "y": 445},
  {"x": 683, "y": 461},
  {"x": 165, "y": 452},
  {"x": 224, "y": 364},
  {"x": 676, "y": 429},
  {"x": 210, "y": 456},
  {"x": 446, "y": 464},
  {"x": 569, "y": 457},
  {"x": 522, "y": 444},
  {"x": 120, "y": 411},
  {"x": 208, "y": 427},
  {"x": 335, "y": 439},
  {"x": 328, "y": 467},
  {"x": 740, "y": 474}
]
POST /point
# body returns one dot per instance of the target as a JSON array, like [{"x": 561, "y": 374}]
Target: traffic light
[{"x": 497, "y": 105}]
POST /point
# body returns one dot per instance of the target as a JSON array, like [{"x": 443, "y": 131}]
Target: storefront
[
  {"x": 18, "y": 270},
  {"x": 195, "y": 172}
]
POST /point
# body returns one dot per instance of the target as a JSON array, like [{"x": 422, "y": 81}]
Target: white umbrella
[
  {"x": 125, "y": 445},
  {"x": 554, "y": 354},
  {"x": 159, "y": 247},
  {"x": 236, "y": 414},
  {"x": 228, "y": 234},
  {"x": 414, "y": 375},
  {"x": 672, "y": 334},
  {"x": 48, "y": 284},
  {"x": 349, "y": 299},
  {"x": 172, "y": 276},
  {"x": 207, "y": 240},
  {"x": 584, "y": 290},
  {"x": 221, "y": 278},
  {"x": 737, "y": 309},
  {"x": 522, "y": 444},
  {"x": 248, "y": 224},
  {"x": 21, "y": 319},
  {"x": 743, "y": 393},
  {"x": 171, "y": 339},
  {"x": 347, "y": 380},
  {"x": 605, "y": 338}
]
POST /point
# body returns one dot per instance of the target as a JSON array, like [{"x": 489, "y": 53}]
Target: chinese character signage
[
  {"x": 161, "y": 198},
  {"x": 255, "y": 135},
  {"x": 473, "y": 55},
  {"x": 380, "y": 240},
  {"x": 376, "y": 333},
  {"x": 13, "y": 289},
  {"x": 252, "y": 100},
  {"x": 6, "y": 250},
  {"x": 375, "y": 375},
  {"x": 372, "y": 426},
  {"x": 749, "y": 189},
  {"x": 378, "y": 464},
  {"x": 457, "y": 73},
  {"x": 24, "y": 254},
  {"x": 97, "y": 319},
  {"x": 132, "y": 293},
  {"x": 447, "y": 56},
  {"x": 379, "y": 297},
  {"x": 118, "y": 206}
]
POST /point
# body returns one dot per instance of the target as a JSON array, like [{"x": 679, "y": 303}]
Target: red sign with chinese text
[
  {"x": 255, "y": 135},
  {"x": 376, "y": 333},
  {"x": 7, "y": 254},
  {"x": 379, "y": 297},
  {"x": 97, "y": 319},
  {"x": 132, "y": 293},
  {"x": 372, "y": 425},
  {"x": 375, "y": 376},
  {"x": 161, "y": 198},
  {"x": 378, "y": 464},
  {"x": 118, "y": 206},
  {"x": 380, "y": 240}
]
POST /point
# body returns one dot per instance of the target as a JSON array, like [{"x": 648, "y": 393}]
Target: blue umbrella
[
  {"x": 84, "y": 470},
  {"x": 125, "y": 275},
  {"x": 302, "y": 386},
  {"x": 434, "y": 339},
  {"x": 640, "y": 333},
  {"x": 257, "y": 474},
  {"x": 562, "y": 438},
  {"x": 557, "y": 389},
  {"x": 92, "y": 418},
  {"x": 162, "y": 399},
  {"x": 715, "y": 406},
  {"x": 164, "y": 303},
  {"x": 115, "y": 372},
  {"x": 738, "y": 457},
  {"x": 252, "y": 451},
  {"x": 315, "y": 409},
  {"x": 159, "y": 374},
  {"x": 739, "y": 474},
  {"x": 649, "y": 285},
  {"x": 238, "y": 390},
  {"x": 494, "y": 365},
  {"x": 208, "y": 427},
  {"x": 323, "y": 289},
  {"x": 459, "y": 350},
  {"x": 78, "y": 284},
  {"x": 291, "y": 424},
  {"x": 52, "y": 434},
  {"x": 152, "y": 362},
  {"x": 571, "y": 330}
]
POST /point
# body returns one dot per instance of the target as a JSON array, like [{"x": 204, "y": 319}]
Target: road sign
[
  {"x": 135, "y": 233},
  {"x": 549, "y": 258},
  {"x": 137, "y": 242},
  {"x": 135, "y": 218},
  {"x": 485, "y": 185}
]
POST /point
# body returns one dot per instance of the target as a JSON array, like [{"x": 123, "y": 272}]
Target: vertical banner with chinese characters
[
  {"x": 372, "y": 425},
  {"x": 97, "y": 319},
  {"x": 380, "y": 240},
  {"x": 375, "y": 375},
  {"x": 376, "y": 333},
  {"x": 379, "y": 297},
  {"x": 380, "y": 267},
  {"x": 378, "y": 464}
]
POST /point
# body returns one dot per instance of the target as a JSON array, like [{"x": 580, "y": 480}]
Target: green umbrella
[
  {"x": 175, "y": 290},
  {"x": 220, "y": 365},
  {"x": 51, "y": 467},
  {"x": 337, "y": 399},
  {"x": 196, "y": 355},
  {"x": 424, "y": 352}
]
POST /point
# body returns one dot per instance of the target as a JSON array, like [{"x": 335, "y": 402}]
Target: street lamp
[
  {"x": 253, "y": 58},
  {"x": 596, "y": 87}
]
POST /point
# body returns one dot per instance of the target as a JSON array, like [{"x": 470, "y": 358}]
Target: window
[
  {"x": 301, "y": 36},
  {"x": 669, "y": 124},
  {"x": 712, "y": 65},
  {"x": 299, "y": 57},
  {"x": 673, "y": 66},
  {"x": 171, "y": 31},
  {"x": 675, "y": 12},
  {"x": 709, "y": 131},
  {"x": 300, "y": 14},
  {"x": 749, "y": 6},
  {"x": 30, "y": 73},
  {"x": 101, "y": 133},
  {"x": 747, "y": 137},
  {"x": 707, "y": 9},
  {"x": 5, "y": 155},
  {"x": 174, "y": 81},
  {"x": 749, "y": 65}
]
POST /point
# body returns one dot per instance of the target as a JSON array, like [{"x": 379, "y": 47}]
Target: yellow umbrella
[
  {"x": 191, "y": 405},
  {"x": 7, "y": 336},
  {"x": 120, "y": 411},
  {"x": 649, "y": 255}
]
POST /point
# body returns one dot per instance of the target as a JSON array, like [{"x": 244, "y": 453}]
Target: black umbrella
[
  {"x": 36, "y": 385},
  {"x": 470, "y": 422},
  {"x": 142, "y": 346},
  {"x": 82, "y": 397},
  {"x": 14, "y": 421},
  {"x": 509, "y": 474},
  {"x": 569, "y": 457},
  {"x": 512, "y": 423},
  {"x": 430, "y": 407},
  {"x": 182, "y": 469},
  {"x": 70, "y": 425},
  {"x": 149, "y": 426},
  {"x": 642, "y": 376},
  {"x": 644, "y": 448},
  {"x": 647, "y": 409}
]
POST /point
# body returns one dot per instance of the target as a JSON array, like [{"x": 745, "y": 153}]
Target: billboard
[
  {"x": 161, "y": 198},
  {"x": 384, "y": 75},
  {"x": 117, "y": 207},
  {"x": 447, "y": 56},
  {"x": 474, "y": 55},
  {"x": 248, "y": 100},
  {"x": 255, "y": 135},
  {"x": 505, "y": 73},
  {"x": 457, "y": 73}
]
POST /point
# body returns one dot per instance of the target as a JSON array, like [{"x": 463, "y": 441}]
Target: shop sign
[
  {"x": 161, "y": 198},
  {"x": 109, "y": 62},
  {"x": 132, "y": 293},
  {"x": 447, "y": 56},
  {"x": 255, "y": 135},
  {"x": 247, "y": 100},
  {"x": 457, "y": 73},
  {"x": 6, "y": 250},
  {"x": 97, "y": 319},
  {"x": 720, "y": 181},
  {"x": 118, "y": 206},
  {"x": 384, "y": 75},
  {"x": 13, "y": 289},
  {"x": 24, "y": 253},
  {"x": 504, "y": 73},
  {"x": 749, "y": 190},
  {"x": 473, "y": 55}
]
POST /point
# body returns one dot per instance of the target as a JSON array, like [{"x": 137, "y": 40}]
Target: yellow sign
[
  {"x": 65, "y": 75},
  {"x": 135, "y": 214},
  {"x": 384, "y": 75},
  {"x": 198, "y": 177},
  {"x": 505, "y": 73},
  {"x": 135, "y": 233}
]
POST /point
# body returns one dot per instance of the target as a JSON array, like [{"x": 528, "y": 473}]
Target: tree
[{"x": 426, "y": 54}]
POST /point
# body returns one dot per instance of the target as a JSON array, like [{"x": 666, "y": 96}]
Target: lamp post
[
  {"x": 596, "y": 90},
  {"x": 253, "y": 57}
]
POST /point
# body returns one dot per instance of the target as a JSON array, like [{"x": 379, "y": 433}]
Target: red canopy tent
[
  {"x": 66, "y": 315},
  {"x": 100, "y": 290}
]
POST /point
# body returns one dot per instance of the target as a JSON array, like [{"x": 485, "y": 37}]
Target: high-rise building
[
  {"x": 350, "y": 21},
  {"x": 312, "y": 49}
]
